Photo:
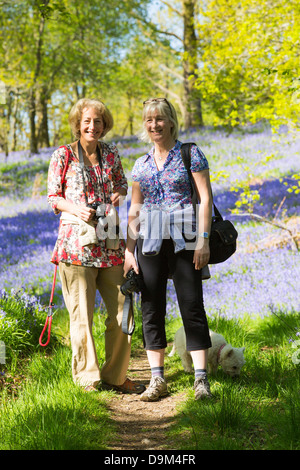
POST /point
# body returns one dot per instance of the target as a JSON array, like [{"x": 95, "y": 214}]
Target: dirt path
[{"x": 142, "y": 426}]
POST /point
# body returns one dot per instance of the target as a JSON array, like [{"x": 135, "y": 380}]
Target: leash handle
[{"x": 47, "y": 323}]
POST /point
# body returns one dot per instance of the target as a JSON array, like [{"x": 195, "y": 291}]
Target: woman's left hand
[
  {"x": 130, "y": 262},
  {"x": 118, "y": 197},
  {"x": 201, "y": 254}
]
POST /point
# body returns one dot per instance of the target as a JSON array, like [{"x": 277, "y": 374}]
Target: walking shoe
[
  {"x": 90, "y": 388},
  {"x": 202, "y": 389},
  {"x": 129, "y": 386},
  {"x": 157, "y": 388}
]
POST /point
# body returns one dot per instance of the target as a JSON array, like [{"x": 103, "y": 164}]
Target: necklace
[{"x": 159, "y": 157}]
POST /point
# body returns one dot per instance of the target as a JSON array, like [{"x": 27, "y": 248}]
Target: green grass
[
  {"x": 50, "y": 412},
  {"x": 260, "y": 410}
]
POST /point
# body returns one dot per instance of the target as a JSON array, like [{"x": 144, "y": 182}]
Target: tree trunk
[
  {"x": 5, "y": 122},
  {"x": 130, "y": 115},
  {"x": 192, "y": 98},
  {"x": 43, "y": 132},
  {"x": 32, "y": 94},
  {"x": 32, "y": 113},
  {"x": 15, "y": 122}
]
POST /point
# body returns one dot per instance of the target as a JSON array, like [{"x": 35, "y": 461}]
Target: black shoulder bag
[{"x": 223, "y": 235}]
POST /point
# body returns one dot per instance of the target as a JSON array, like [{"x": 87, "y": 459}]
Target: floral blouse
[
  {"x": 67, "y": 248},
  {"x": 170, "y": 186}
]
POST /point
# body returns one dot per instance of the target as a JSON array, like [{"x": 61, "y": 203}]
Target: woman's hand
[
  {"x": 84, "y": 213},
  {"x": 201, "y": 253},
  {"x": 118, "y": 197},
  {"x": 130, "y": 262}
]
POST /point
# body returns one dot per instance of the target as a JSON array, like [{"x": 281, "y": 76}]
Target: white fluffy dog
[{"x": 231, "y": 359}]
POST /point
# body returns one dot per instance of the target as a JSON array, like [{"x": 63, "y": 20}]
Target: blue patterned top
[{"x": 169, "y": 186}]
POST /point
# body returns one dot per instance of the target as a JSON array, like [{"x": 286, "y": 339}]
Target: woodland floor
[{"x": 142, "y": 425}]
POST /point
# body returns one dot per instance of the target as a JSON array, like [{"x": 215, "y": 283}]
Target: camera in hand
[
  {"x": 133, "y": 283},
  {"x": 99, "y": 207}
]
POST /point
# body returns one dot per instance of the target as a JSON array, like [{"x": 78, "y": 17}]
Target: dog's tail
[{"x": 173, "y": 351}]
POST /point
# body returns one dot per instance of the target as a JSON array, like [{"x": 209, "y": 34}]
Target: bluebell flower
[{"x": 244, "y": 285}]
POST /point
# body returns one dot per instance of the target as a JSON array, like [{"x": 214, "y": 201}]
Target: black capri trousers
[{"x": 188, "y": 285}]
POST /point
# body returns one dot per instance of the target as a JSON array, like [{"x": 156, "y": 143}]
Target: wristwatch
[{"x": 203, "y": 235}]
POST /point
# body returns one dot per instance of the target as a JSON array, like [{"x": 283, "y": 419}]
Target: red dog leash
[{"x": 49, "y": 314}]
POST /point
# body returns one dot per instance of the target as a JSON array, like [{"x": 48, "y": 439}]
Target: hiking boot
[
  {"x": 202, "y": 389},
  {"x": 157, "y": 388}
]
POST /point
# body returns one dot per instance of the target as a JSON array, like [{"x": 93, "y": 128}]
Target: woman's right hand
[
  {"x": 84, "y": 213},
  {"x": 130, "y": 262}
]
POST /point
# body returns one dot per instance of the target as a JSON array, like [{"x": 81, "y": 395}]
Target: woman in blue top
[{"x": 161, "y": 226}]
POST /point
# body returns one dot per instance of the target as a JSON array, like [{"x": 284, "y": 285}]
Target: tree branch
[
  {"x": 275, "y": 224},
  {"x": 167, "y": 91},
  {"x": 179, "y": 13},
  {"x": 172, "y": 72},
  {"x": 155, "y": 29}
]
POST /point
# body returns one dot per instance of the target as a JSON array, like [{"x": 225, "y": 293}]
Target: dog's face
[{"x": 232, "y": 361}]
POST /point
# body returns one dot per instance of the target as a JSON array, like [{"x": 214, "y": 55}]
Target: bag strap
[
  {"x": 128, "y": 307},
  {"x": 63, "y": 178},
  {"x": 186, "y": 158}
]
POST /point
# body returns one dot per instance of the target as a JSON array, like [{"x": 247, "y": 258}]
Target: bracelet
[{"x": 203, "y": 234}]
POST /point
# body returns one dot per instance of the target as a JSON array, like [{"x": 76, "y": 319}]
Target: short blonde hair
[
  {"x": 76, "y": 113},
  {"x": 166, "y": 109}
]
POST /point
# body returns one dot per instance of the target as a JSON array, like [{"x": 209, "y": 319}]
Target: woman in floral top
[
  {"x": 84, "y": 255},
  {"x": 161, "y": 220}
]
